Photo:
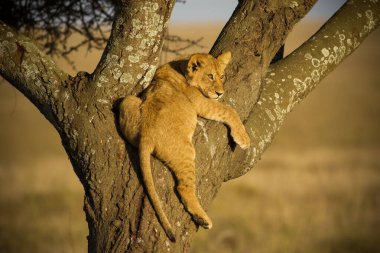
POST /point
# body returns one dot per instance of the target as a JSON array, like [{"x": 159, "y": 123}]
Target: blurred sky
[{"x": 221, "y": 10}]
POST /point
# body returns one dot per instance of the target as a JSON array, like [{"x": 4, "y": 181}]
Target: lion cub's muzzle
[{"x": 219, "y": 95}]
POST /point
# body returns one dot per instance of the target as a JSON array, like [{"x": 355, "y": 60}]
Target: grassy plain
[{"x": 316, "y": 189}]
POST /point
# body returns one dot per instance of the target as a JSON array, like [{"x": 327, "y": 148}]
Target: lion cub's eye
[
  {"x": 211, "y": 77},
  {"x": 222, "y": 77}
]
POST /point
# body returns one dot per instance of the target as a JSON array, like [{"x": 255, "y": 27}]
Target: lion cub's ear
[
  {"x": 195, "y": 63},
  {"x": 224, "y": 59}
]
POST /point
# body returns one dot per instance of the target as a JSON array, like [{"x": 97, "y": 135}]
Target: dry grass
[
  {"x": 316, "y": 189},
  {"x": 319, "y": 200}
]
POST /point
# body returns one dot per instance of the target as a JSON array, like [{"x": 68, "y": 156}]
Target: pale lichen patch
[
  {"x": 134, "y": 58},
  {"x": 116, "y": 73},
  {"x": 150, "y": 24},
  {"x": 325, "y": 52},
  {"x": 212, "y": 150},
  {"x": 232, "y": 101},
  {"x": 102, "y": 101},
  {"x": 270, "y": 115},
  {"x": 30, "y": 70},
  {"x": 155, "y": 48},
  {"x": 148, "y": 75},
  {"x": 103, "y": 78},
  {"x": 316, "y": 62},
  {"x": 293, "y": 4},
  {"x": 66, "y": 96},
  {"x": 308, "y": 56},
  {"x": 201, "y": 123},
  {"x": 144, "y": 66},
  {"x": 126, "y": 78}
]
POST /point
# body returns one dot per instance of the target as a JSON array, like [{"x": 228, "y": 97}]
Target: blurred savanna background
[{"x": 316, "y": 189}]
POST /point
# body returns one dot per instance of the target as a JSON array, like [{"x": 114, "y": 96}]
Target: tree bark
[{"x": 118, "y": 212}]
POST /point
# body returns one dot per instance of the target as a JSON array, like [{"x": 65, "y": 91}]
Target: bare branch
[
  {"x": 51, "y": 23},
  {"x": 291, "y": 79},
  {"x": 132, "y": 53},
  {"x": 118, "y": 211},
  {"x": 30, "y": 70},
  {"x": 254, "y": 34},
  {"x": 211, "y": 142}
]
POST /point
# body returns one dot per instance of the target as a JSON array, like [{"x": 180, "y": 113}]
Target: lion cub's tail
[{"x": 145, "y": 153}]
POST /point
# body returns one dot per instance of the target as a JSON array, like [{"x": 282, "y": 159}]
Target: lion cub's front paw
[{"x": 241, "y": 138}]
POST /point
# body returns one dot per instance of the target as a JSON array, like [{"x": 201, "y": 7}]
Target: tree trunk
[{"x": 82, "y": 108}]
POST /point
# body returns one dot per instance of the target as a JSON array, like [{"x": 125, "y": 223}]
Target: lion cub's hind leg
[
  {"x": 130, "y": 119},
  {"x": 183, "y": 166}
]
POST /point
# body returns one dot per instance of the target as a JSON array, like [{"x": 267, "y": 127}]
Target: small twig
[{"x": 52, "y": 23}]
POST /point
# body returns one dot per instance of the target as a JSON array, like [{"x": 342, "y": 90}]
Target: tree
[{"x": 82, "y": 108}]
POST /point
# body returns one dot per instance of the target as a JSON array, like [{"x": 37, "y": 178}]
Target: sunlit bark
[{"x": 82, "y": 108}]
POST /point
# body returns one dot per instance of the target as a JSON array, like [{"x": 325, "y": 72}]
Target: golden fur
[{"x": 163, "y": 121}]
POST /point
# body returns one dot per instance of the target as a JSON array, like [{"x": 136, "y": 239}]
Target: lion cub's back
[{"x": 167, "y": 111}]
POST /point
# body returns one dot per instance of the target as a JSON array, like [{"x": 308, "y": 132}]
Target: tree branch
[
  {"x": 119, "y": 214},
  {"x": 211, "y": 142},
  {"x": 132, "y": 53},
  {"x": 30, "y": 70},
  {"x": 291, "y": 79},
  {"x": 254, "y": 34}
]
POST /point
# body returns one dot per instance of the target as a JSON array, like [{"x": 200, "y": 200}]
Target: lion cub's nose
[{"x": 219, "y": 93}]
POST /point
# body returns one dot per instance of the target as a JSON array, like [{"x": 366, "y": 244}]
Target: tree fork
[{"x": 119, "y": 214}]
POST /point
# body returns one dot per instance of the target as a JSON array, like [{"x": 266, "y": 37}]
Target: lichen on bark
[{"x": 118, "y": 212}]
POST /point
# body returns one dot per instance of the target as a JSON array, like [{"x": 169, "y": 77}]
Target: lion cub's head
[{"x": 207, "y": 73}]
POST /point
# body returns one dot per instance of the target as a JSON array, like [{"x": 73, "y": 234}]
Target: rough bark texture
[{"x": 118, "y": 212}]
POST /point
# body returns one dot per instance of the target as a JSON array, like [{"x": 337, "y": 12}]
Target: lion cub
[{"x": 162, "y": 122}]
